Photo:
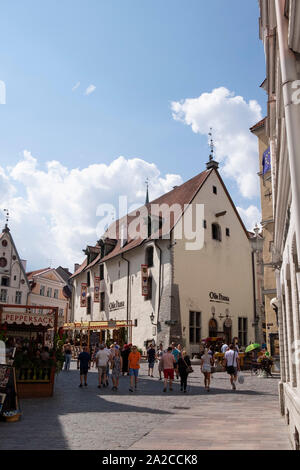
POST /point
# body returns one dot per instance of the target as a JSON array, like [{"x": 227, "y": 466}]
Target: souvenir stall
[{"x": 30, "y": 332}]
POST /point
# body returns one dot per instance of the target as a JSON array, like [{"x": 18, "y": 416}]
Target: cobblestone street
[{"x": 90, "y": 418}]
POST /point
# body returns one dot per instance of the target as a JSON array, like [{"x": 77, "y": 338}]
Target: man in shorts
[
  {"x": 102, "y": 359},
  {"x": 151, "y": 356},
  {"x": 168, "y": 364},
  {"x": 84, "y": 360},
  {"x": 232, "y": 365},
  {"x": 133, "y": 367}
]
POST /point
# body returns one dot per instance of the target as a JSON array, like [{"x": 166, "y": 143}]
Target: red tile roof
[
  {"x": 258, "y": 125},
  {"x": 34, "y": 273}
]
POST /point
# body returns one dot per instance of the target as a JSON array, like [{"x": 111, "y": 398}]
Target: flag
[{"x": 266, "y": 162}]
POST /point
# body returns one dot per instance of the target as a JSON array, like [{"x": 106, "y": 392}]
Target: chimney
[{"x": 76, "y": 266}]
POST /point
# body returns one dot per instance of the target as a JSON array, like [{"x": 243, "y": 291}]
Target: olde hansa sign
[
  {"x": 218, "y": 297},
  {"x": 28, "y": 319}
]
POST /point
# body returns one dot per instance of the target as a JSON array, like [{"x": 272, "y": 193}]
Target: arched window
[
  {"x": 216, "y": 232},
  {"x": 212, "y": 328},
  {"x": 149, "y": 256}
]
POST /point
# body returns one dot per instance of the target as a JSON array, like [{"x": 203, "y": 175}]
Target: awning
[{"x": 98, "y": 325}]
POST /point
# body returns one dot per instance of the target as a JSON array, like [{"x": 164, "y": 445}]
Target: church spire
[
  {"x": 212, "y": 163},
  {"x": 147, "y": 192},
  {"x": 6, "y": 229}
]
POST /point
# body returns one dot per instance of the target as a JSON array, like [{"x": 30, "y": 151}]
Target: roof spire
[
  {"x": 212, "y": 163},
  {"x": 6, "y": 212},
  {"x": 147, "y": 191}
]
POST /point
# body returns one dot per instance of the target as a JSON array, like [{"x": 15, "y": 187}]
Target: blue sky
[{"x": 141, "y": 56}]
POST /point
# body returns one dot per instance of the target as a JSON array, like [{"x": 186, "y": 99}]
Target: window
[
  {"x": 204, "y": 224},
  {"x": 42, "y": 290},
  {"x": 88, "y": 280},
  {"x": 49, "y": 292},
  {"x": 149, "y": 256},
  {"x": 61, "y": 312},
  {"x": 5, "y": 281},
  {"x": 111, "y": 288},
  {"x": 55, "y": 295},
  {"x": 227, "y": 232},
  {"x": 89, "y": 305},
  {"x": 101, "y": 272},
  {"x": 213, "y": 328},
  {"x": 195, "y": 327},
  {"x": 18, "y": 297},
  {"x": 135, "y": 322},
  {"x": 15, "y": 278},
  {"x": 215, "y": 189},
  {"x": 102, "y": 301},
  {"x": 149, "y": 296},
  {"x": 216, "y": 232},
  {"x": 243, "y": 331},
  {"x": 3, "y": 295}
]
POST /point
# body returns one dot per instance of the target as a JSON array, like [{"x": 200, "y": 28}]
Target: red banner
[
  {"x": 97, "y": 289},
  {"x": 144, "y": 273}
]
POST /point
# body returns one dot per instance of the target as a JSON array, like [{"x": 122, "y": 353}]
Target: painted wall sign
[
  {"x": 28, "y": 319},
  {"x": 218, "y": 297},
  {"x": 116, "y": 305}
]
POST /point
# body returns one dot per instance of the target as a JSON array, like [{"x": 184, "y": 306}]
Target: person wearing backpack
[{"x": 232, "y": 365}]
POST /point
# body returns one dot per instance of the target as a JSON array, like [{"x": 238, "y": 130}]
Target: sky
[{"x": 102, "y": 94}]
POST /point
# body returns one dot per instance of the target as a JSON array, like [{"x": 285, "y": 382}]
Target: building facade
[
  {"x": 47, "y": 289},
  {"x": 174, "y": 283},
  {"x": 279, "y": 31},
  {"x": 270, "y": 326},
  {"x": 14, "y": 288}
]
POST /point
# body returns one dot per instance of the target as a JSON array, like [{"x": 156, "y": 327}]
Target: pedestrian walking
[
  {"x": 207, "y": 362},
  {"x": 151, "y": 356},
  {"x": 125, "y": 353},
  {"x": 110, "y": 354},
  {"x": 159, "y": 355},
  {"x": 176, "y": 354},
  {"x": 232, "y": 365},
  {"x": 224, "y": 348},
  {"x": 102, "y": 361},
  {"x": 133, "y": 367},
  {"x": 68, "y": 355},
  {"x": 116, "y": 363},
  {"x": 184, "y": 364},
  {"x": 84, "y": 363},
  {"x": 168, "y": 364}
]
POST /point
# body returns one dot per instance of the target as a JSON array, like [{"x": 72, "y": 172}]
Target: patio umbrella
[{"x": 251, "y": 347}]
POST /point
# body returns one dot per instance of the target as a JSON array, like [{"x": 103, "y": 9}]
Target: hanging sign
[
  {"x": 97, "y": 289},
  {"x": 145, "y": 286},
  {"x": 83, "y": 295}
]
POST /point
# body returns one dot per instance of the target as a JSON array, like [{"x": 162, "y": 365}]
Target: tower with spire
[
  {"x": 212, "y": 163},
  {"x": 147, "y": 192}
]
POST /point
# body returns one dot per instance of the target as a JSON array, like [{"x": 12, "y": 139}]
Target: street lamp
[{"x": 152, "y": 317}]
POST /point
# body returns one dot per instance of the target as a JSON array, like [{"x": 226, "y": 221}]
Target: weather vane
[
  {"x": 6, "y": 212},
  {"x": 212, "y": 147}
]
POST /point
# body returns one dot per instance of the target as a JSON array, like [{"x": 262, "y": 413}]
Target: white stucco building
[
  {"x": 14, "y": 286},
  {"x": 197, "y": 285},
  {"x": 280, "y": 33}
]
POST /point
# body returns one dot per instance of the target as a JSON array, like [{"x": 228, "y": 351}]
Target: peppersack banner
[
  {"x": 83, "y": 295},
  {"x": 28, "y": 319}
]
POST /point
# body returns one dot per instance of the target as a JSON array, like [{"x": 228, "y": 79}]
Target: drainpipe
[
  {"x": 128, "y": 272},
  {"x": 254, "y": 294},
  {"x": 292, "y": 110}
]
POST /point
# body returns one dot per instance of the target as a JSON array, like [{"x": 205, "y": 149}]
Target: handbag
[{"x": 189, "y": 369}]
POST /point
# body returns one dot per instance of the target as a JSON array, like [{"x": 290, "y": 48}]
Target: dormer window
[
  {"x": 216, "y": 232},
  {"x": 215, "y": 190}
]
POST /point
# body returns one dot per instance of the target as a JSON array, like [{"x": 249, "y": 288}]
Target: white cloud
[
  {"x": 90, "y": 89},
  {"x": 230, "y": 117},
  {"x": 53, "y": 209},
  {"x": 250, "y": 216},
  {"x": 76, "y": 86}
]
